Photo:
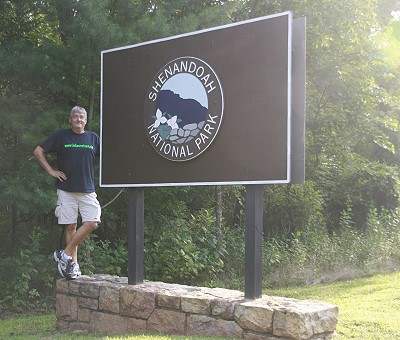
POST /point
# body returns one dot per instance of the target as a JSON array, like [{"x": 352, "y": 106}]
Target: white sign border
[{"x": 289, "y": 107}]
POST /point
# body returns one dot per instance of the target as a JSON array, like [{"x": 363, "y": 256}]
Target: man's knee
[
  {"x": 70, "y": 228},
  {"x": 91, "y": 225}
]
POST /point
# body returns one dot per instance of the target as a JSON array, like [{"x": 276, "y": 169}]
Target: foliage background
[{"x": 342, "y": 222}]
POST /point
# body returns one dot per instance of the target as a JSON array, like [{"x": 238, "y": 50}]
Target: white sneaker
[
  {"x": 63, "y": 262},
  {"x": 73, "y": 271}
]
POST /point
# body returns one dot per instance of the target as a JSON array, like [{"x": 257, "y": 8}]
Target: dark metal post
[
  {"x": 135, "y": 235},
  {"x": 298, "y": 102},
  {"x": 253, "y": 242}
]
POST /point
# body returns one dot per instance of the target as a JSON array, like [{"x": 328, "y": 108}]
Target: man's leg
[
  {"x": 67, "y": 213},
  {"x": 78, "y": 237},
  {"x": 70, "y": 230},
  {"x": 90, "y": 210}
]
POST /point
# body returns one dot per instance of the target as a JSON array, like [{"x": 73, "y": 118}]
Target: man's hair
[{"x": 78, "y": 109}]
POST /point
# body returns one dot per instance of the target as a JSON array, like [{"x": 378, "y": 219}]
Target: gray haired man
[{"x": 76, "y": 150}]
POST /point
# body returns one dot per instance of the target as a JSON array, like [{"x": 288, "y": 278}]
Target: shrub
[
  {"x": 184, "y": 250},
  {"x": 313, "y": 255},
  {"x": 27, "y": 277},
  {"x": 103, "y": 257},
  {"x": 289, "y": 208},
  {"x": 363, "y": 183}
]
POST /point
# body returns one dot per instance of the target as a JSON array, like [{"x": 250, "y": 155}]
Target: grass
[
  {"x": 27, "y": 327},
  {"x": 369, "y": 309},
  {"x": 43, "y": 327}
]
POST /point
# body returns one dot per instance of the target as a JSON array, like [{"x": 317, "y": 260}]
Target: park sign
[
  {"x": 223, "y": 105},
  {"x": 179, "y": 121}
]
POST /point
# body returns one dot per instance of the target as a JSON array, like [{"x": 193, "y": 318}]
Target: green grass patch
[
  {"x": 369, "y": 309},
  {"x": 43, "y": 327},
  {"x": 27, "y": 327}
]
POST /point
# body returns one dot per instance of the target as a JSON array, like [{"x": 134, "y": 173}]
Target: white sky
[{"x": 188, "y": 87}]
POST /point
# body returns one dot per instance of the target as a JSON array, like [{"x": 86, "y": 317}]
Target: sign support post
[
  {"x": 253, "y": 241},
  {"x": 135, "y": 235}
]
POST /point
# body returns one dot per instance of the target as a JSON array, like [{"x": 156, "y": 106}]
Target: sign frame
[{"x": 289, "y": 126}]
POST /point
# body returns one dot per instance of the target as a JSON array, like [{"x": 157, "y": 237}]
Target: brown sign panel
[{"x": 204, "y": 108}]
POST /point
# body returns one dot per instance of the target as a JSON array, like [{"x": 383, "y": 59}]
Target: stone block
[
  {"x": 325, "y": 319},
  {"x": 292, "y": 324},
  {"x": 255, "y": 316},
  {"x": 89, "y": 289},
  {"x": 136, "y": 326},
  {"x": 167, "y": 322},
  {"x": 116, "y": 324},
  {"x": 84, "y": 315},
  {"x": 137, "y": 302},
  {"x": 223, "y": 308},
  {"x": 168, "y": 300},
  {"x": 208, "y": 326},
  {"x": 88, "y": 303},
  {"x": 196, "y": 304},
  {"x": 62, "y": 286},
  {"x": 85, "y": 286},
  {"x": 223, "y": 293},
  {"x": 109, "y": 298},
  {"x": 304, "y": 319},
  {"x": 73, "y": 287},
  {"x": 66, "y": 307}
]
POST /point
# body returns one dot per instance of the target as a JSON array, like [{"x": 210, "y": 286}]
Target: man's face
[{"x": 78, "y": 121}]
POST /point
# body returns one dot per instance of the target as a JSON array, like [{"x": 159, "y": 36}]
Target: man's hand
[
  {"x": 58, "y": 174},
  {"x": 41, "y": 157}
]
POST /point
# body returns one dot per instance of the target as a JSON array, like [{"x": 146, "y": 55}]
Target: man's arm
[{"x": 41, "y": 157}]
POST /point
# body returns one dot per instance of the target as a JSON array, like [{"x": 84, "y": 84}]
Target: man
[{"x": 76, "y": 150}]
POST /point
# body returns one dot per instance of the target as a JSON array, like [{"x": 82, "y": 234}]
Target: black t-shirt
[{"x": 75, "y": 157}]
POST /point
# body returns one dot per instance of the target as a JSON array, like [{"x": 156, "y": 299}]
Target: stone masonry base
[{"x": 107, "y": 304}]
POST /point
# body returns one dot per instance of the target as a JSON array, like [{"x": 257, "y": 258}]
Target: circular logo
[{"x": 183, "y": 109}]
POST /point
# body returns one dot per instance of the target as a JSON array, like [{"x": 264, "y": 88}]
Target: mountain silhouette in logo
[{"x": 188, "y": 110}]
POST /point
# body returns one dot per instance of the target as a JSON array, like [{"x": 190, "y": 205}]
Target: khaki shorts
[{"x": 69, "y": 204}]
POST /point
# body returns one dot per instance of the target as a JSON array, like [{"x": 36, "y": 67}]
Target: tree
[
  {"x": 23, "y": 91},
  {"x": 352, "y": 123},
  {"x": 50, "y": 61},
  {"x": 50, "y": 52}
]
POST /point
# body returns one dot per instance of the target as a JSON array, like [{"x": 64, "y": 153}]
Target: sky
[{"x": 188, "y": 87}]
